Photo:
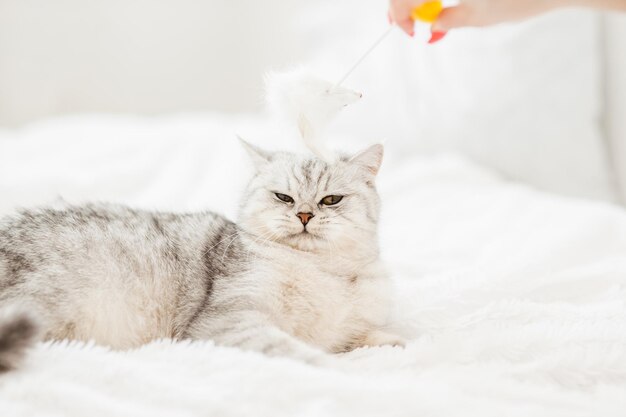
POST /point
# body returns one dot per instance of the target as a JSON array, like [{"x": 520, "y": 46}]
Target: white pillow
[{"x": 521, "y": 98}]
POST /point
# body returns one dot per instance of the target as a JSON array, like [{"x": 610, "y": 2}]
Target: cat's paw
[{"x": 380, "y": 338}]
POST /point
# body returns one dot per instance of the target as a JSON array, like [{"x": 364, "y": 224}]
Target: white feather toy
[{"x": 311, "y": 103}]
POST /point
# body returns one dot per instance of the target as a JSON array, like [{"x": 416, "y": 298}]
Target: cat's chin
[{"x": 304, "y": 241}]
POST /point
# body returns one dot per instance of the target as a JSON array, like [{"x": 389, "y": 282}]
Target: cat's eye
[
  {"x": 331, "y": 200},
  {"x": 284, "y": 197}
]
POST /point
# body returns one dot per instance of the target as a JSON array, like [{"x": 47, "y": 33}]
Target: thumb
[{"x": 452, "y": 17}]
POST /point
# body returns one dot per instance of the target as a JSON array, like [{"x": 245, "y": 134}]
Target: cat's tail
[{"x": 18, "y": 331}]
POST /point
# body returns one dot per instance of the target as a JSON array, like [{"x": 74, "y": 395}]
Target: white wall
[
  {"x": 615, "y": 90},
  {"x": 147, "y": 56}
]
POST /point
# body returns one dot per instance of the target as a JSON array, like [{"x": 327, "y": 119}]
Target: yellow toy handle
[{"x": 427, "y": 12}]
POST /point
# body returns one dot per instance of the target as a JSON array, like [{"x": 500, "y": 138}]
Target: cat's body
[{"x": 124, "y": 277}]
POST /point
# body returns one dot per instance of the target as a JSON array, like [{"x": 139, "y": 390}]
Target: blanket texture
[{"x": 514, "y": 301}]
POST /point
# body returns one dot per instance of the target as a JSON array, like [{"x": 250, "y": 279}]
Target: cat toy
[
  {"x": 427, "y": 12},
  {"x": 312, "y": 102}
]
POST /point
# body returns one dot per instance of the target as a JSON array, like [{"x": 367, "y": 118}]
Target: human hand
[
  {"x": 471, "y": 12},
  {"x": 400, "y": 13},
  {"x": 479, "y": 13}
]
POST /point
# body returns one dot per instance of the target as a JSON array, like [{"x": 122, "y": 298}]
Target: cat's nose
[{"x": 305, "y": 217}]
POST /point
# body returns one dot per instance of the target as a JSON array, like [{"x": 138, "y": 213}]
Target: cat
[{"x": 299, "y": 275}]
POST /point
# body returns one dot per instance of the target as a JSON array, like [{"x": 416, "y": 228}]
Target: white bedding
[{"x": 514, "y": 300}]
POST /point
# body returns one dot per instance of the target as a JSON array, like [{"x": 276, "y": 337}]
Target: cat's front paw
[{"x": 380, "y": 338}]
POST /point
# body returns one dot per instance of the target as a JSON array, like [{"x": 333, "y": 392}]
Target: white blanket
[{"x": 514, "y": 300}]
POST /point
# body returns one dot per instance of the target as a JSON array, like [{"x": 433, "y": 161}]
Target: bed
[
  {"x": 513, "y": 299},
  {"x": 501, "y": 186}
]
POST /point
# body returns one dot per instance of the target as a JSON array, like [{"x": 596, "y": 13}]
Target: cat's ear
[
  {"x": 370, "y": 158},
  {"x": 258, "y": 156}
]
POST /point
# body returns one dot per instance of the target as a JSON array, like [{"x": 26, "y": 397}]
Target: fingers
[
  {"x": 452, "y": 17},
  {"x": 407, "y": 25},
  {"x": 400, "y": 14}
]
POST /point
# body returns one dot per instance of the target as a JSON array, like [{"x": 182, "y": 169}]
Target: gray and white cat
[{"x": 298, "y": 275}]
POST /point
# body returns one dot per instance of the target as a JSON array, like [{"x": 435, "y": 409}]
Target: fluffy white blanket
[{"x": 514, "y": 300}]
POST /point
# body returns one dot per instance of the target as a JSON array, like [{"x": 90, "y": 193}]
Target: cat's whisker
[
  {"x": 220, "y": 241},
  {"x": 228, "y": 245}
]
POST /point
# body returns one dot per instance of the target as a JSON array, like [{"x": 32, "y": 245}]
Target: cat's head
[{"x": 310, "y": 204}]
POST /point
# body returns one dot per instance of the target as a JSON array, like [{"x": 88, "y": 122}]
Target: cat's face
[{"x": 312, "y": 205}]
